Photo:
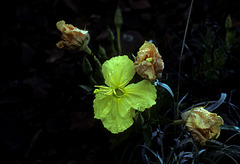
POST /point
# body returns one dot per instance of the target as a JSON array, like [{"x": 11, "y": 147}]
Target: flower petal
[
  {"x": 149, "y": 62},
  {"x": 72, "y": 37},
  {"x": 141, "y": 95},
  {"x": 202, "y": 124},
  {"x": 118, "y": 71},
  {"x": 115, "y": 114}
]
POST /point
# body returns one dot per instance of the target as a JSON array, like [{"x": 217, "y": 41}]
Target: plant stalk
[{"x": 180, "y": 59}]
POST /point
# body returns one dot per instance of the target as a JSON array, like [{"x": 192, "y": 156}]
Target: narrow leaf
[
  {"x": 165, "y": 86},
  {"x": 185, "y": 141},
  {"x": 179, "y": 103},
  {"x": 230, "y": 127},
  {"x": 147, "y": 134},
  {"x": 87, "y": 88},
  {"x": 218, "y": 103}
]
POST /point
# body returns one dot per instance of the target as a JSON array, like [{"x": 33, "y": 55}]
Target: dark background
[{"x": 45, "y": 117}]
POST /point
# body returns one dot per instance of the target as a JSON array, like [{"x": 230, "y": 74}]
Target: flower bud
[
  {"x": 102, "y": 53},
  {"x": 110, "y": 35},
  {"x": 228, "y": 22},
  {"x": 72, "y": 37},
  {"x": 202, "y": 125},
  {"x": 148, "y": 62},
  {"x": 86, "y": 66},
  {"x": 118, "y": 17}
]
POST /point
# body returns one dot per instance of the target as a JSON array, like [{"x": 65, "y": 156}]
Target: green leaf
[
  {"x": 233, "y": 149},
  {"x": 87, "y": 88},
  {"x": 179, "y": 103},
  {"x": 86, "y": 66},
  {"x": 218, "y": 103},
  {"x": 228, "y": 22},
  {"x": 163, "y": 120},
  {"x": 185, "y": 141},
  {"x": 147, "y": 134},
  {"x": 102, "y": 53},
  {"x": 230, "y": 127},
  {"x": 139, "y": 118},
  {"x": 165, "y": 86},
  {"x": 110, "y": 35}
]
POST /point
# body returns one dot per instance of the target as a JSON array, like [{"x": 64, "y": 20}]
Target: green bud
[
  {"x": 111, "y": 38},
  {"x": 110, "y": 35},
  {"x": 118, "y": 17},
  {"x": 228, "y": 23},
  {"x": 102, "y": 52},
  {"x": 86, "y": 66}
]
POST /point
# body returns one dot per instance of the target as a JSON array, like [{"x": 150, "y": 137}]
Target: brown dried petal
[
  {"x": 148, "y": 62},
  {"x": 202, "y": 124},
  {"x": 72, "y": 37}
]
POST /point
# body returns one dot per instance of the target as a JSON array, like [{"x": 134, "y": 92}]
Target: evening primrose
[
  {"x": 73, "y": 38},
  {"x": 149, "y": 62},
  {"x": 115, "y": 103},
  {"x": 202, "y": 125}
]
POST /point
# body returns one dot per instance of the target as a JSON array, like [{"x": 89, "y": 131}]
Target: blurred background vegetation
[{"x": 46, "y": 117}]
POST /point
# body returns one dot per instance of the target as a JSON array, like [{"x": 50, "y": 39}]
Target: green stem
[
  {"x": 96, "y": 60},
  {"x": 118, "y": 28},
  {"x": 88, "y": 51},
  {"x": 177, "y": 122}
]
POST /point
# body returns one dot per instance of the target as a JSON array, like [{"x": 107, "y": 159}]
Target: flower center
[
  {"x": 149, "y": 60},
  {"x": 118, "y": 92}
]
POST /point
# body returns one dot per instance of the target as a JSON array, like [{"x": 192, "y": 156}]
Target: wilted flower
[
  {"x": 73, "y": 38},
  {"x": 115, "y": 104},
  {"x": 202, "y": 125},
  {"x": 149, "y": 62}
]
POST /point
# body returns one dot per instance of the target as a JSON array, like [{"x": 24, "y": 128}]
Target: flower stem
[
  {"x": 119, "y": 39},
  {"x": 96, "y": 60},
  {"x": 177, "y": 122},
  {"x": 88, "y": 51},
  {"x": 118, "y": 23}
]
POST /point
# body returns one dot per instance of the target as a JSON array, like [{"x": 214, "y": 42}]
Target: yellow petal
[
  {"x": 117, "y": 124},
  {"x": 101, "y": 103},
  {"x": 115, "y": 114},
  {"x": 118, "y": 71},
  {"x": 141, "y": 95}
]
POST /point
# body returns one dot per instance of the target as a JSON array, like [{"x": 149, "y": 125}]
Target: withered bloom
[
  {"x": 202, "y": 125},
  {"x": 72, "y": 37},
  {"x": 148, "y": 62}
]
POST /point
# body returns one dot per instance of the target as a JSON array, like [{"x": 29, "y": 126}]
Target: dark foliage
[{"x": 47, "y": 118}]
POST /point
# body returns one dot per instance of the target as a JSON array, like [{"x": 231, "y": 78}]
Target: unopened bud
[
  {"x": 86, "y": 66},
  {"x": 228, "y": 23},
  {"x": 118, "y": 17}
]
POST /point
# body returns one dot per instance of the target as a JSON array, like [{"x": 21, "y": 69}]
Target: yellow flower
[
  {"x": 115, "y": 104},
  {"x": 202, "y": 125},
  {"x": 72, "y": 37},
  {"x": 149, "y": 62}
]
